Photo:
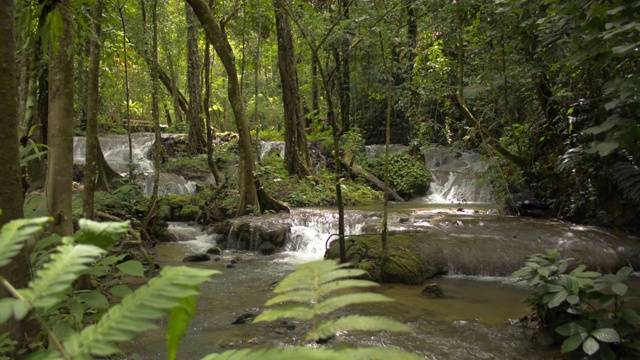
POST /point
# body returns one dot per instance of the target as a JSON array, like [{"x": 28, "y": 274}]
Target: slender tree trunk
[
  {"x": 296, "y": 153},
  {"x": 211, "y": 162},
  {"x": 91, "y": 156},
  {"x": 247, "y": 185},
  {"x": 175, "y": 93},
  {"x": 60, "y": 166},
  {"x": 344, "y": 79},
  {"x": 11, "y": 201},
  {"x": 256, "y": 85},
  {"x": 126, "y": 87},
  {"x": 196, "y": 142}
]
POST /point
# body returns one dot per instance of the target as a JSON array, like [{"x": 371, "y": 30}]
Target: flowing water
[
  {"x": 473, "y": 321},
  {"x": 116, "y": 152}
]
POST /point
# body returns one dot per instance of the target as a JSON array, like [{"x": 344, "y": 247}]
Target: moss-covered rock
[{"x": 399, "y": 266}]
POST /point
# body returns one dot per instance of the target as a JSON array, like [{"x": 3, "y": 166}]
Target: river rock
[
  {"x": 196, "y": 258},
  {"x": 214, "y": 251},
  {"x": 264, "y": 234}
]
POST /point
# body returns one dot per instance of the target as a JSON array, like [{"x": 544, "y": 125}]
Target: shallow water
[{"x": 471, "y": 322}]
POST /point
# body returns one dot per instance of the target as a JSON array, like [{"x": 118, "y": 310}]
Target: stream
[
  {"x": 475, "y": 246},
  {"x": 473, "y": 321}
]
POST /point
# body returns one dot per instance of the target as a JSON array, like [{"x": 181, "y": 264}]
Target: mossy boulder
[{"x": 399, "y": 266}]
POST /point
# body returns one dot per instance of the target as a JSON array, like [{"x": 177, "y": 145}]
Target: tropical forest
[{"x": 319, "y": 179}]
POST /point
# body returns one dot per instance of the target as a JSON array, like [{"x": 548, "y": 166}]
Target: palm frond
[
  {"x": 135, "y": 314},
  {"x": 627, "y": 176},
  {"x": 15, "y": 233}
]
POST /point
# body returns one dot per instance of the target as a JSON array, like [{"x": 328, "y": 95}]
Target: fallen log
[{"x": 357, "y": 170}]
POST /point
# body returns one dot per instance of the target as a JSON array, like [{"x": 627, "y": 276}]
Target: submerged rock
[
  {"x": 433, "y": 290},
  {"x": 214, "y": 251},
  {"x": 196, "y": 258}
]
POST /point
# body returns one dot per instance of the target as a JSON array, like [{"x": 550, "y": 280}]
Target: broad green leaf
[
  {"x": 590, "y": 346},
  {"x": 6, "y": 309},
  {"x": 620, "y": 289},
  {"x": 573, "y": 299},
  {"x": 630, "y": 316},
  {"x": 607, "y": 335},
  {"x": 179, "y": 318},
  {"x": 120, "y": 290},
  {"x": 20, "y": 309},
  {"x": 95, "y": 299},
  {"x": 75, "y": 309},
  {"x": 569, "y": 329},
  {"x": 557, "y": 299},
  {"x": 131, "y": 267},
  {"x": 571, "y": 343},
  {"x": 101, "y": 234},
  {"x": 606, "y": 147}
]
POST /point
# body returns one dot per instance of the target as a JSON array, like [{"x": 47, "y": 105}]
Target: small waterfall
[
  {"x": 310, "y": 230},
  {"x": 116, "y": 152},
  {"x": 379, "y": 150},
  {"x": 196, "y": 240},
  {"x": 271, "y": 147},
  {"x": 455, "y": 177}
]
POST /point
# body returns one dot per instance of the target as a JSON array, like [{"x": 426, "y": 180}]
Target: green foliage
[
  {"x": 64, "y": 314},
  {"x": 587, "y": 309},
  {"x": 293, "y": 353},
  {"x": 190, "y": 167},
  {"x": 408, "y": 176}
]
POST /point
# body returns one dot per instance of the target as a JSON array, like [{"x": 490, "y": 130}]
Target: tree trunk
[
  {"x": 296, "y": 149},
  {"x": 175, "y": 94},
  {"x": 91, "y": 156},
  {"x": 60, "y": 166},
  {"x": 105, "y": 173},
  {"x": 196, "y": 143},
  {"x": 248, "y": 184},
  {"x": 17, "y": 272},
  {"x": 344, "y": 79}
]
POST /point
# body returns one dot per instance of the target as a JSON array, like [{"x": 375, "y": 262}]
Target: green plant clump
[
  {"x": 408, "y": 176},
  {"x": 585, "y": 309}
]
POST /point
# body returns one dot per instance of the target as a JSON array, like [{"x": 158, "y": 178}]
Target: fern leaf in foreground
[
  {"x": 356, "y": 322},
  {"x": 58, "y": 274},
  {"x": 309, "y": 353},
  {"x": 307, "y": 293},
  {"x": 134, "y": 315},
  {"x": 15, "y": 233}
]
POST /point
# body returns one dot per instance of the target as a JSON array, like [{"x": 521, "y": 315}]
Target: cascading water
[
  {"x": 455, "y": 177},
  {"x": 116, "y": 152},
  {"x": 193, "y": 239},
  {"x": 271, "y": 147}
]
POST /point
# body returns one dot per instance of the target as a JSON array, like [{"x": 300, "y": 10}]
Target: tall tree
[
  {"x": 296, "y": 150},
  {"x": 91, "y": 157},
  {"x": 17, "y": 272},
  {"x": 252, "y": 196},
  {"x": 196, "y": 141},
  {"x": 61, "y": 85}
]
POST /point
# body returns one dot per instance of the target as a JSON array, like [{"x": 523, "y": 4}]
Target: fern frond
[
  {"x": 309, "y": 353},
  {"x": 58, "y": 274},
  {"x": 179, "y": 318},
  {"x": 300, "y": 312},
  {"x": 627, "y": 177},
  {"x": 355, "y": 322},
  {"x": 15, "y": 233},
  {"x": 133, "y": 316},
  {"x": 338, "y": 302},
  {"x": 101, "y": 234},
  {"x": 310, "y": 287},
  {"x": 313, "y": 274}
]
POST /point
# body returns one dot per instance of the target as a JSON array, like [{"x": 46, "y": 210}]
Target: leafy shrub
[
  {"x": 585, "y": 308},
  {"x": 190, "y": 167},
  {"x": 80, "y": 324},
  {"x": 407, "y": 176}
]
